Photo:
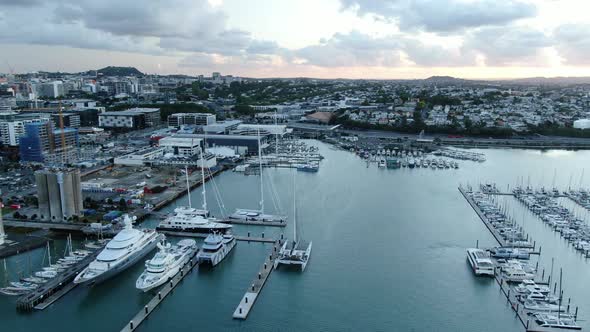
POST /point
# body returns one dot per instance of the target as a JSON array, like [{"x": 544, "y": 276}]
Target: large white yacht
[
  {"x": 215, "y": 248},
  {"x": 166, "y": 264},
  {"x": 124, "y": 250},
  {"x": 187, "y": 219},
  {"x": 480, "y": 262}
]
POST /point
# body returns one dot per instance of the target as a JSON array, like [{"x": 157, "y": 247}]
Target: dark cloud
[{"x": 443, "y": 15}]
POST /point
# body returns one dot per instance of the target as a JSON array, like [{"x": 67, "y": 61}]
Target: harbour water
[{"x": 389, "y": 255}]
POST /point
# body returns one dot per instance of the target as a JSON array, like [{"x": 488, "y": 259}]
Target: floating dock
[
  {"x": 162, "y": 293},
  {"x": 253, "y": 291},
  {"x": 247, "y": 238},
  {"x": 15, "y": 246},
  {"x": 255, "y": 223},
  {"x": 46, "y": 294}
]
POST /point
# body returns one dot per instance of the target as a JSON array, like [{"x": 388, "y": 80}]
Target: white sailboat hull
[{"x": 294, "y": 257}]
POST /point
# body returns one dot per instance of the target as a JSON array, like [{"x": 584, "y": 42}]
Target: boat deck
[
  {"x": 158, "y": 298},
  {"x": 248, "y": 300}
]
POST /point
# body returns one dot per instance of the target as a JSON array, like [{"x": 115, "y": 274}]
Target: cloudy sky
[{"x": 293, "y": 38}]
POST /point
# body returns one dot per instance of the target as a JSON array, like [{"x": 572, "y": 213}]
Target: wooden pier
[
  {"x": 46, "y": 294},
  {"x": 158, "y": 298},
  {"x": 258, "y": 283}
]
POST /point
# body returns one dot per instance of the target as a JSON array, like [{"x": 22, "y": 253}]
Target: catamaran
[
  {"x": 257, "y": 215},
  {"x": 289, "y": 253}
]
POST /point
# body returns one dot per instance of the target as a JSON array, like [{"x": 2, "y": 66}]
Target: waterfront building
[{"x": 59, "y": 193}]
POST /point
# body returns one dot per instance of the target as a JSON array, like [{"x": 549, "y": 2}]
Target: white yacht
[
  {"x": 291, "y": 255},
  {"x": 187, "y": 219},
  {"x": 191, "y": 220},
  {"x": 480, "y": 262},
  {"x": 215, "y": 248},
  {"x": 124, "y": 250},
  {"x": 166, "y": 264},
  {"x": 517, "y": 274}
]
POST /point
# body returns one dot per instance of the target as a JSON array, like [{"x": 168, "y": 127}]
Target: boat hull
[
  {"x": 128, "y": 262},
  {"x": 217, "y": 257}
]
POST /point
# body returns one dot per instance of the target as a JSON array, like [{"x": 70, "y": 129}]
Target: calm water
[{"x": 388, "y": 254}]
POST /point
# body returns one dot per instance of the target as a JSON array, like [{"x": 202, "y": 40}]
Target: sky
[{"x": 372, "y": 39}]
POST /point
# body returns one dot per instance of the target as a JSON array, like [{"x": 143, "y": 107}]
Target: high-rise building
[
  {"x": 41, "y": 143},
  {"x": 59, "y": 193}
]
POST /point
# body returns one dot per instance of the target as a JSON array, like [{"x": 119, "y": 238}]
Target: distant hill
[
  {"x": 444, "y": 80},
  {"x": 550, "y": 80},
  {"x": 119, "y": 71}
]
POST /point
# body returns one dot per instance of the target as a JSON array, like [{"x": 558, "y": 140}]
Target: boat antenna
[
  {"x": 260, "y": 168},
  {"x": 188, "y": 187}
]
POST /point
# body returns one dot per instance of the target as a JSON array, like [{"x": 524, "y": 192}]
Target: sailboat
[
  {"x": 257, "y": 215},
  {"x": 189, "y": 219},
  {"x": 291, "y": 255}
]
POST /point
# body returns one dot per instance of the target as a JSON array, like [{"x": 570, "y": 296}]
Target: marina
[
  {"x": 530, "y": 311},
  {"x": 334, "y": 221},
  {"x": 51, "y": 291}
]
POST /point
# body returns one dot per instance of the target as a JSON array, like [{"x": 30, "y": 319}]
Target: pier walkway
[
  {"x": 255, "y": 223},
  {"x": 247, "y": 238},
  {"x": 483, "y": 218},
  {"x": 253, "y": 291},
  {"x": 55, "y": 288},
  {"x": 158, "y": 298}
]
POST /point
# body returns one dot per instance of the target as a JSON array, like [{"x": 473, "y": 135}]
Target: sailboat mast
[
  {"x": 294, "y": 212},
  {"x": 276, "y": 136},
  {"x": 188, "y": 187},
  {"x": 49, "y": 253},
  {"x": 260, "y": 168},
  {"x": 203, "y": 180}
]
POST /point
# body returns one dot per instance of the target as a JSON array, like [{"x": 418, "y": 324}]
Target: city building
[
  {"x": 69, "y": 120},
  {"x": 223, "y": 127},
  {"x": 182, "y": 145},
  {"x": 253, "y": 129},
  {"x": 132, "y": 119},
  {"x": 51, "y": 89},
  {"x": 59, "y": 194},
  {"x": 240, "y": 144},
  {"x": 41, "y": 143},
  {"x": 178, "y": 120}
]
